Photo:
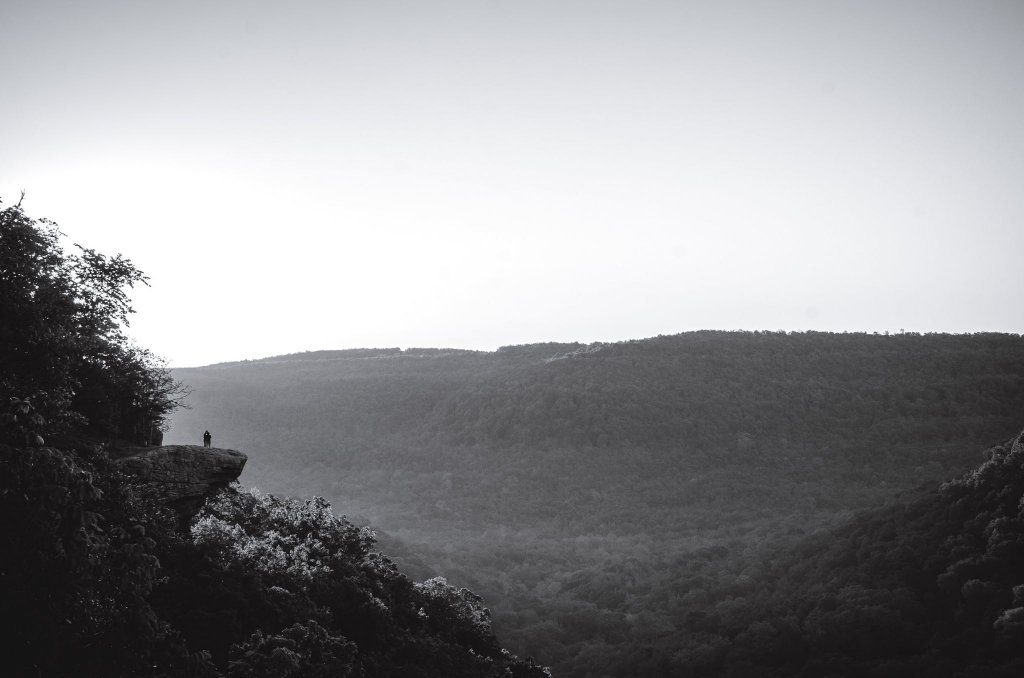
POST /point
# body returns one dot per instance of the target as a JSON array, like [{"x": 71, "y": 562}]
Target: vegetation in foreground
[{"x": 97, "y": 580}]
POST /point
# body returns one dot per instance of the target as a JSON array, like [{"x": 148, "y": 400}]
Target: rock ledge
[{"x": 183, "y": 476}]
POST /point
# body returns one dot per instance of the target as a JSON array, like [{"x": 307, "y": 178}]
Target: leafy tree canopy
[{"x": 66, "y": 366}]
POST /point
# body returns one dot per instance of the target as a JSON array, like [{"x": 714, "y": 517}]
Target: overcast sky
[{"x": 309, "y": 175}]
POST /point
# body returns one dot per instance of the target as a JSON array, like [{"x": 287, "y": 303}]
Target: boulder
[{"x": 183, "y": 476}]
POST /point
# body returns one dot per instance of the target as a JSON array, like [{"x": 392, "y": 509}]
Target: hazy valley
[
  {"x": 197, "y": 198},
  {"x": 600, "y": 496}
]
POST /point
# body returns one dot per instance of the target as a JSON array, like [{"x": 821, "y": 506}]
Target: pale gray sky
[{"x": 307, "y": 175}]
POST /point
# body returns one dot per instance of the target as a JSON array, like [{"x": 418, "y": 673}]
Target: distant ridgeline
[
  {"x": 569, "y": 484},
  {"x": 700, "y": 390}
]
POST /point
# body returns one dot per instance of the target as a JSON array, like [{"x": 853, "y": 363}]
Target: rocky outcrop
[{"x": 183, "y": 476}]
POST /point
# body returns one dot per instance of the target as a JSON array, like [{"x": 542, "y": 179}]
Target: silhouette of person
[{"x": 207, "y": 438}]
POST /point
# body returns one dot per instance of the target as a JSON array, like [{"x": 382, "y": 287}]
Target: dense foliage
[
  {"x": 595, "y": 495},
  {"x": 97, "y": 578},
  {"x": 930, "y": 587},
  {"x": 78, "y": 562},
  {"x": 270, "y": 582},
  {"x": 63, "y": 350}
]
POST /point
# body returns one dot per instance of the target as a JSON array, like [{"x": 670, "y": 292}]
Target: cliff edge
[{"x": 183, "y": 476}]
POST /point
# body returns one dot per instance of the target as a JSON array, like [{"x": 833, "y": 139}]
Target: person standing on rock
[{"x": 207, "y": 439}]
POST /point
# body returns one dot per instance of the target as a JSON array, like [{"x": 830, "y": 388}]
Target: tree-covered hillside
[
  {"x": 572, "y": 484},
  {"x": 99, "y": 578},
  {"x": 931, "y": 586}
]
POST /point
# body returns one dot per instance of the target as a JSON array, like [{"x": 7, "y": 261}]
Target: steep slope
[
  {"x": 930, "y": 587},
  {"x": 182, "y": 476},
  {"x": 98, "y": 579}
]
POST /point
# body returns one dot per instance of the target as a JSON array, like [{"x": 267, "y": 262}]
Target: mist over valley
[{"x": 598, "y": 496}]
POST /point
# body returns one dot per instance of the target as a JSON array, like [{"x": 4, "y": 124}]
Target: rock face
[{"x": 183, "y": 476}]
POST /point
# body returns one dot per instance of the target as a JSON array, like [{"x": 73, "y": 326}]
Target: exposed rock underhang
[{"x": 183, "y": 476}]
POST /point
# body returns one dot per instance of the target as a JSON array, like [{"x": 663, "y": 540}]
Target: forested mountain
[{"x": 598, "y": 495}]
